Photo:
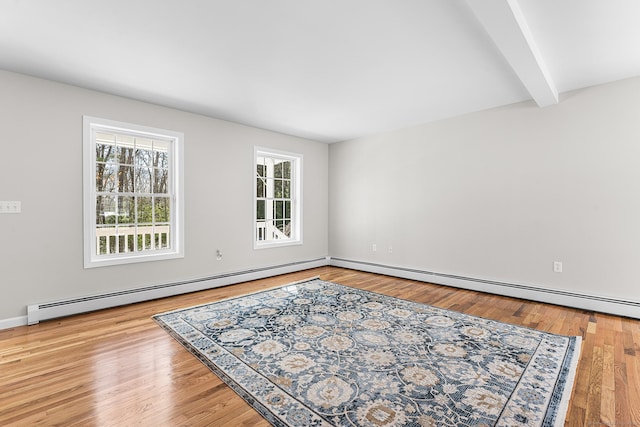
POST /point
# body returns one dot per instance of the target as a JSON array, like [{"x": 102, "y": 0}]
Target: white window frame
[
  {"x": 91, "y": 125},
  {"x": 295, "y": 193}
]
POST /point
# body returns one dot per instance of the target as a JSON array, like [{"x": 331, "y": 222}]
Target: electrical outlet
[
  {"x": 218, "y": 255},
  {"x": 374, "y": 247},
  {"x": 390, "y": 249},
  {"x": 557, "y": 267},
  {"x": 10, "y": 207}
]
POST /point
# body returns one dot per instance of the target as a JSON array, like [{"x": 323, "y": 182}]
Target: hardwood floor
[{"x": 116, "y": 367}]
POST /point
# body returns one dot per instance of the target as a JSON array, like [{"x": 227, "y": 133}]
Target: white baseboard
[
  {"x": 43, "y": 311},
  {"x": 551, "y": 296},
  {"x": 13, "y": 322},
  {"x": 50, "y": 310}
]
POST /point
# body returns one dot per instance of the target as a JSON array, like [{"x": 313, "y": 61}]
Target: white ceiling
[{"x": 328, "y": 70}]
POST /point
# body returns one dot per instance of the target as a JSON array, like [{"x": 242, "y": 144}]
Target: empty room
[{"x": 320, "y": 213}]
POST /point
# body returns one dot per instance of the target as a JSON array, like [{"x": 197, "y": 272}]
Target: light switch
[{"x": 10, "y": 207}]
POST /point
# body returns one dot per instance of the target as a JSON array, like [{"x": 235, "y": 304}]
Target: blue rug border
[{"x": 245, "y": 395}]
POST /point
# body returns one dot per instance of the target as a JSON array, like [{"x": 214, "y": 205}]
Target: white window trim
[
  {"x": 91, "y": 259},
  {"x": 296, "y": 191}
]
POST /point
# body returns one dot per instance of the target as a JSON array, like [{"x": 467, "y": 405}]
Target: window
[
  {"x": 278, "y": 219},
  {"x": 132, "y": 193}
]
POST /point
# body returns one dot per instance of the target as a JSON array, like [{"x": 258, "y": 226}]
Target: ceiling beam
[{"x": 507, "y": 26}]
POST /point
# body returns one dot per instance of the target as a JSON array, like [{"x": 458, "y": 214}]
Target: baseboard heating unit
[
  {"x": 51, "y": 310},
  {"x": 628, "y": 308}
]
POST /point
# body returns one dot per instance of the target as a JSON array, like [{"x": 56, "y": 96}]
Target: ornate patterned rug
[{"x": 318, "y": 353}]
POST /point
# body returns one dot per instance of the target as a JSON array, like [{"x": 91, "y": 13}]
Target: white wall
[
  {"x": 496, "y": 195},
  {"x": 501, "y": 194},
  {"x": 41, "y": 165}
]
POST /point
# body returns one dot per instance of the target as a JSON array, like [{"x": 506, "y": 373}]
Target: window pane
[
  {"x": 124, "y": 149},
  {"x": 125, "y": 179},
  {"x": 260, "y": 170},
  {"x": 277, "y": 169},
  {"x": 106, "y": 177},
  {"x": 126, "y": 235},
  {"x": 105, "y": 152},
  {"x": 286, "y": 170},
  {"x": 278, "y": 210},
  {"x": 286, "y": 189},
  {"x": 162, "y": 237},
  {"x": 143, "y": 180},
  {"x": 144, "y": 234},
  {"x": 105, "y": 210},
  {"x": 161, "y": 154},
  {"x": 286, "y": 229},
  {"x": 125, "y": 243},
  {"x": 260, "y": 210},
  {"x": 260, "y": 231},
  {"x": 287, "y": 210},
  {"x": 144, "y": 239},
  {"x": 260, "y": 187},
  {"x": 145, "y": 209},
  {"x": 162, "y": 209},
  {"x": 143, "y": 158},
  {"x": 277, "y": 189},
  {"x": 113, "y": 244},
  {"x": 106, "y": 240},
  {"x": 160, "y": 181},
  {"x": 126, "y": 210},
  {"x": 102, "y": 245},
  {"x": 125, "y": 155}
]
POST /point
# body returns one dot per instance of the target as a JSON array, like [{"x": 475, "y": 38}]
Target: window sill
[
  {"x": 276, "y": 244},
  {"x": 128, "y": 259}
]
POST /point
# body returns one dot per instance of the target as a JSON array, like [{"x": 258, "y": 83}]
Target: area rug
[{"x": 318, "y": 353}]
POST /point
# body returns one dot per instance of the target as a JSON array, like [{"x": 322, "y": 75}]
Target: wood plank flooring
[{"x": 116, "y": 367}]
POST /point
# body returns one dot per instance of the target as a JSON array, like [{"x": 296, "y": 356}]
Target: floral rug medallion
[{"x": 318, "y": 353}]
